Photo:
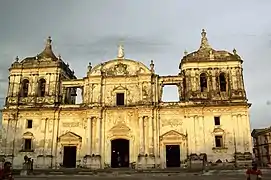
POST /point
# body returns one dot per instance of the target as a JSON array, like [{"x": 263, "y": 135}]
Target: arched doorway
[{"x": 120, "y": 153}]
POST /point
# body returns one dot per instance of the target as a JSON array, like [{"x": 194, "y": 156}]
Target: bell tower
[
  {"x": 211, "y": 74},
  {"x": 36, "y": 80}
]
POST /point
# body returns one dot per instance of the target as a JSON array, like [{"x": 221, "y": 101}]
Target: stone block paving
[
  {"x": 141, "y": 177},
  {"x": 210, "y": 175}
]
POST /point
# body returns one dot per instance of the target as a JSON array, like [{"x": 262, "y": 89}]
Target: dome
[
  {"x": 47, "y": 53},
  {"x": 207, "y": 54}
]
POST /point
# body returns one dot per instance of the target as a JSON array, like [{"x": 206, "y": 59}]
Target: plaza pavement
[
  {"x": 177, "y": 175},
  {"x": 211, "y": 175},
  {"x": 132, "y": 177}
]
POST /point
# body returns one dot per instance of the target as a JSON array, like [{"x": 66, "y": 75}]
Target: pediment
[
  {"x": 70, "y": 136},
  {"x": 28, "y": 135},
  {"x": 172, "y": 133},
  {"x": 120, "y": 67},
  {"x": 218, "y": 130},
  {"x": 120, "y": 87}
]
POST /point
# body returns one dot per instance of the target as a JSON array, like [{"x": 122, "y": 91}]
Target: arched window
[
  {"x": 203, "y": 82},
  {"x": 222, "y": 82},
  {"x": 24, "y": 88},
  {"x": 41, "y": 87}
]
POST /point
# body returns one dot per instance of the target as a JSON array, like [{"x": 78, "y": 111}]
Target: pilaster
[{"x": 141, "y": 136}]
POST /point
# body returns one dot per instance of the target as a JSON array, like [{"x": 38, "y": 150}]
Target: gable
[
  {"x": 70, "y": 136},
  {"x": 120, "y": 67},
  {"x": 173, "y": 136},
  {"x": 172, "y": 133}
]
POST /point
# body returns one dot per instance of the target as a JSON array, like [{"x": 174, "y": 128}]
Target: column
[
  {"x": 150, "y": 129},
  {"x": 193, "y": 135},
  {"x": 98, "y": 136},
  {"x": 240, "y": 133},
  {"x": 35, "y": 85},
  {"x": 82, "y": 94},
  {"x": 10, "y": 85},
  {"x": 93, "y": 135},
  {"x": 238, "y": 76},
  {"x": 213, "y": 80},
  {"x": 17, "y": 85},
  {"x": 236, "y": 133},
  {"x": 89, "y": 151},
  {"x": 201, "y": 134},
  {"x": 145, "y": 134},
  {"x": 141, "y": 136},
  {"x": 247, "y": 136},
  {"x": 64, "y": 92}
]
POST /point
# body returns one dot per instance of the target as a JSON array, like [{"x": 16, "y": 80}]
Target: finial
[
  {"x": 17, "y": 59},
  {"x": 59, "y": 57},
  {"x": 185, "y": 52},
  {"x": 121, "y": 51},
  {"x": 37, "y": 57},
  {"x": 204, "y": 41},
  {"x": 152, "y": 66},
  {"x": 49, "y": 41},
  {"x": 234, "y": 51},
  {"x": 68, "y": 65},
  {"x": 89, "y": 66},
  {"x": 203, "y": 33}
]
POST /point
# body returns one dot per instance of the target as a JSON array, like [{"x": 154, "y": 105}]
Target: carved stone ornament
[
  {"x": 220, "y": 150},
  {"x": 28, "y": 135},
  {"x": 218, "y": 131},
  {"x": 172, "y": 122},
  {"x": 119, "y": 130},
  {"x": 118, "y": 69}
]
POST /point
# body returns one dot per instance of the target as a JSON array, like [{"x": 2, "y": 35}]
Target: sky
[{"x": 86, "y": 31}]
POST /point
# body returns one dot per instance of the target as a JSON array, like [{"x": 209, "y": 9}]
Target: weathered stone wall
[
  {"x": 147, "y": 122},
  {"x": 191, "y": 128},
  {"x": 51, "y": 76}
]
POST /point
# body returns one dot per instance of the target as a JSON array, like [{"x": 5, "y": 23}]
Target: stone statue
[
  {"x": 121, "y": 52},
  {"x": 89, "y": 66},
  {"x": 204, "y": 41}
]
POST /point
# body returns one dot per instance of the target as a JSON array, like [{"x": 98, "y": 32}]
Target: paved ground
[
  {"x": 143, "y": 177},
  {"x": 210, "y": 175}
]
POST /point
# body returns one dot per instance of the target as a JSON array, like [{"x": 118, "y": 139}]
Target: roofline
[{"x": 206, "y": 61}]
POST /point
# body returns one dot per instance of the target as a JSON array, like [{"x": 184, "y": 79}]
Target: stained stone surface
[{"x": 43, "y": 88}]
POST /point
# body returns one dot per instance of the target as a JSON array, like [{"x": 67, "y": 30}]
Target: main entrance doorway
[
  {"x": 120, "y": 153},
  {"x": 173, "y": 155},
  {"x": 69, "y": 157}
]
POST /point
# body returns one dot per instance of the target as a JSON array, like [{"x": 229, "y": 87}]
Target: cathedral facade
[{"x": 122, "y": 120}]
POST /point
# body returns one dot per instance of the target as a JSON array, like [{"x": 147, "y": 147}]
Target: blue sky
[{"x": 88, "y": 31}]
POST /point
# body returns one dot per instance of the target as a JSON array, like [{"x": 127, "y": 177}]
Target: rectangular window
[
  {"x": 28, "y": 144},
  {"x": 120, "y": 99},
  {"x": 218, "y": 141},
  {"x": 29, "y": 124},
  {"x": 217, "y": 120}
]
